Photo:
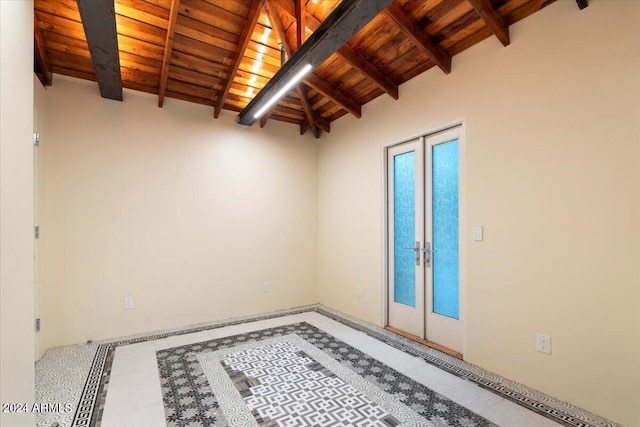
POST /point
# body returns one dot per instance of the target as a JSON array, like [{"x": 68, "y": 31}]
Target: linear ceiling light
[
  {"x": 283, "y": 91},
  {"x": 343, "y": 23}
]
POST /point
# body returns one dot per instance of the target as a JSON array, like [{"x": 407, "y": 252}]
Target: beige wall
[
  {"x": 16, "y": 210},
  {"x": 186, "y": 214},
  {"x": 552, "y": 173}
]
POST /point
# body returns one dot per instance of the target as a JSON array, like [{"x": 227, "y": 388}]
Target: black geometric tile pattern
[
  {"x": 282, "y": 384},
  {"x": 88, "y": 406},
  {"x": 190, "y": 401}
]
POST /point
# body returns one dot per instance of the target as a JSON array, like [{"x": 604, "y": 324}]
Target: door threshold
[{"x": 425, "y": 342}]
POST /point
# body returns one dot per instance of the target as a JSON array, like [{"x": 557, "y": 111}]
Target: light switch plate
[{"x": 478, "y": 234}]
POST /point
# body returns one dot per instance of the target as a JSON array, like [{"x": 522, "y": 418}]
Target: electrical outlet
[
  {"x": 543, "y": 343},
  {"x": 128, "y": 303},
  {"x": 359, "y": 291},
  {"x": 266, "y": 287}
]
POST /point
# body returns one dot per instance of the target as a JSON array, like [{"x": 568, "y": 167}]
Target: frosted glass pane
[
  {"x": 445, "y": 228},
  {"x": 404, "y": 215}
]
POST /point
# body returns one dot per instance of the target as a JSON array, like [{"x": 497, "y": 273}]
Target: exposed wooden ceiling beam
[
  {"x": 285, "y": 48},
  {"x": 168, "y": 48},
  {"x": 286, "y": 6},
  {"x": 304, "y": 126},
  {"x": 323, "y": 124},
  {"x": 582, "y": 3},
  {"x": 349, "y": 17},
  {"x": 245, "y": 37},
  {"x": 320, "y": 122},
  {"x": 308, "y": 111},
  {"x": 99, "y": 23},
  {"x": 348, "y": 54},
  {"x": 44, "y": 73},
  {"x": 302, "y": 92},
  {"x": 492, "y": 18},
  {"x": 369, "y": 70},
  {"x": 301, "y": 27},
  {"x": 334, "y": 94},
  {"x": 408, "y": 25}
]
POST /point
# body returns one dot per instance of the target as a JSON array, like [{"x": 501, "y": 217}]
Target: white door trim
[
  {"x": 462, "y": 223},
  {"x": 405, "y": 317},
  {"x": 441, "y": 329}
]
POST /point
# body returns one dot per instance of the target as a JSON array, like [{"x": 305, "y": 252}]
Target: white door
[
  {"x": 423, "y": 241},
  {"x": 406, "y": 226}
]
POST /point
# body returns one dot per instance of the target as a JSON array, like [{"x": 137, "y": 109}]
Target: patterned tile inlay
[
  {"x": 67, "y": 375},
  {"x": 288, "y": 381},
  {"x": 187, "y": 401}
]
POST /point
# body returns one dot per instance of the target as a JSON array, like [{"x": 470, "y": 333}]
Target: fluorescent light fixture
[
  {"x": 282, "y": 92},
  {"x": 349, "y": 17}
]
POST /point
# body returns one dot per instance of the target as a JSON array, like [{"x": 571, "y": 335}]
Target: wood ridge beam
[
  {"x": 409, "y": 26},
  {"x": 45, "y": 74},
  {"x": 99, "y": 22},
  {"x": 168, "y": 48},
  {"x": 245, "y": 37},
  {"x": 492, "y": 18},
  {"x": 347, "y": 53}
]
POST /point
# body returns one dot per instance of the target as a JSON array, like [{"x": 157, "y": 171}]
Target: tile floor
[{"x": 134, "y": 397}]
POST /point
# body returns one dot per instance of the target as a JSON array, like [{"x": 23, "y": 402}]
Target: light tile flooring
[{"x": 134, "y": 397}]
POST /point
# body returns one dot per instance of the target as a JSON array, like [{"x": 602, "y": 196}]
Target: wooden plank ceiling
[{"x": 221, "y": 53}]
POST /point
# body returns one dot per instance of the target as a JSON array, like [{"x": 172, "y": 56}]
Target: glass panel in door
[
  {"x": 445, "y": 260},
  {"x": 404, "y": 214}
]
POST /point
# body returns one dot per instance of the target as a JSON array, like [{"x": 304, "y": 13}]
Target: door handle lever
[
  {"x": 416, "y": 248},
  {"x": 427, "y": 254}
]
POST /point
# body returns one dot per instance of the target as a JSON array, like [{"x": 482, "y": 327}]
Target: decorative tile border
[
  {"x": 88, "y": 414},
  {"x": 561, "y": 412},
  {"x": 180, "y": 375}
]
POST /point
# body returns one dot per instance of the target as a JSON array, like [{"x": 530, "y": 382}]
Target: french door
[{"x": 423, "y": 239}]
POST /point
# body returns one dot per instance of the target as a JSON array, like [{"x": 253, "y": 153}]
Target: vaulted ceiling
[{"x": 221, "y": 53}]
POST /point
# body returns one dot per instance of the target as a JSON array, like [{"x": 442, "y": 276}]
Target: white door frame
[
  {"x": 409, "y": 317},
  {"x": 439, "y": 328},
  {"x": 461, "y": 212}
]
